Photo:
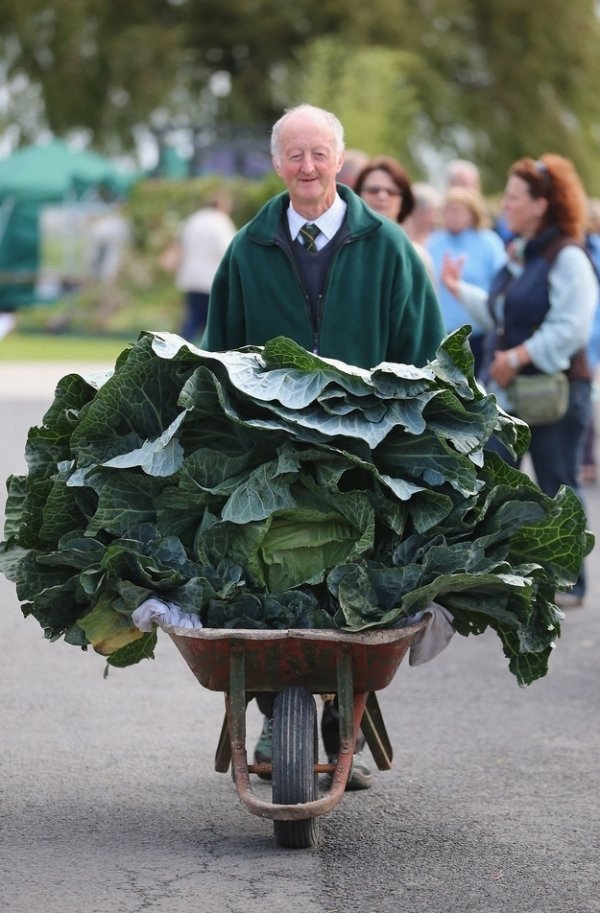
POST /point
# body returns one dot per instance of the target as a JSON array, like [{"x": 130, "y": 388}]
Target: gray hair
[
  {"x": 463, "y": 173},
  {"x": 426, "y": 196},
  {"x": 330, "y": 119}
]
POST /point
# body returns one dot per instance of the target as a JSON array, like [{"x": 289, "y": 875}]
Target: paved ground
[
  {"x": 23, "y": 381},
  {"x": 109, "y": 802}
]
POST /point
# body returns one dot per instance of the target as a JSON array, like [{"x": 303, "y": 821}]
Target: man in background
[
  {"x": 463, "y": 173},
  {"x": 199, "y": 248}
]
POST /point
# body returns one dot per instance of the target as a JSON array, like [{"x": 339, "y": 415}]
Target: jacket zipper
[
  {"x": 321, "y": 298},
  {"x": 318, "y": 326}
]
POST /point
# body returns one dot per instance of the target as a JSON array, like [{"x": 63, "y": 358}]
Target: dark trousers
[
  {"x": 196, "y": 310},
  {"x": 556, "y": 450}
]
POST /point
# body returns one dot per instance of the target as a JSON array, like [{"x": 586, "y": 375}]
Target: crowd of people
[{"x": 465, "y": 251}]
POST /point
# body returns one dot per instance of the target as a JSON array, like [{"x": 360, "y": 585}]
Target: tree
[
  {"x": 99, "y": 65},
  {"x": 489, "y": 81},
  {"x": 370, "y": 90},
  {"x": 508, "y": 79}
]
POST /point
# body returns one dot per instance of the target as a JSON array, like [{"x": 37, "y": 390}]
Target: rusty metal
[
  {"x": 304, "y": 657},
  {"x": 321, "y": 806}
]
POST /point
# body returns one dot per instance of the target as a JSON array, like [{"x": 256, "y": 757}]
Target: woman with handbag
[{"x": 540, "y": 310}]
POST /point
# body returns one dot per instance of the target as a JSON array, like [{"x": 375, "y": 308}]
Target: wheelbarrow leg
[
  {"x": 351, "y": 707},
  {"x": 223, "y": 752},
  {"x": 375, "y": 733},
  {"x": 235, "y": 702},
  {"x": 345, "y": 700}
]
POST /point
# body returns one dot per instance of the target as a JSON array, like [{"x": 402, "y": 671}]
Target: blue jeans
[{"x": 556, "y": 450}]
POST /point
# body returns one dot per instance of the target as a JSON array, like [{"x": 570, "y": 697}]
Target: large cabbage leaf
[{"x": 269, "y": 487}]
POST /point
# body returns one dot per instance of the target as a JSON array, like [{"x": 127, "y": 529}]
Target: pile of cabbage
[{"x": 269, "y": 487}]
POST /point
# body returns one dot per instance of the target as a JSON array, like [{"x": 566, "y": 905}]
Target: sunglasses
[{"x": 375, "y": 190}]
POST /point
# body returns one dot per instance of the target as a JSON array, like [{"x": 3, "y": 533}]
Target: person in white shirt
[{"x": 203, "y": 239}]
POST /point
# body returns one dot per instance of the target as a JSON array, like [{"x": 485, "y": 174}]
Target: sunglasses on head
[{"x": 544, "y": 174}]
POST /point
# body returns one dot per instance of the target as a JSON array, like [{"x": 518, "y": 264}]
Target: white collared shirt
[{"x": 329, "y": 222}]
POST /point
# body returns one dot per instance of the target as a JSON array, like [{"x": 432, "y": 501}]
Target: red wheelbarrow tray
[{"x": 352, "y": 666}]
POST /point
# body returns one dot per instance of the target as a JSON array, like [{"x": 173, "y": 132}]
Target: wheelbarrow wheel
[{"x": 295, "y": 752}]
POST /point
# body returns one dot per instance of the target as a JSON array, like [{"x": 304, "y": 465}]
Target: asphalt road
[{"x": 110, "y": 803}]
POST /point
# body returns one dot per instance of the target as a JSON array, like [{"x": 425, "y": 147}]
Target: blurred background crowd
[{"x": 119, "y": 120}]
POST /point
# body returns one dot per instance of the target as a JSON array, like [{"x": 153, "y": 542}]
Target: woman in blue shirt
[{"x": 480, "y": 250}]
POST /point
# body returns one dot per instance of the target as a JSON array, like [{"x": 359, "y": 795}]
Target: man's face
[{"x": 308, "y": 163}]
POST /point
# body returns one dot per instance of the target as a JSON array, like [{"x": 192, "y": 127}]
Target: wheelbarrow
[{"x": 296, "y": 665}]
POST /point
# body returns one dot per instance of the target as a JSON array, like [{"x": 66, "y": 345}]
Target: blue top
[
  {"x": 593, "y": 350},
  {"x": 484, "y": 255}
]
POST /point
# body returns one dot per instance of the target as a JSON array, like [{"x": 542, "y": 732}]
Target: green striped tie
[{"x": 309, "y": 232}]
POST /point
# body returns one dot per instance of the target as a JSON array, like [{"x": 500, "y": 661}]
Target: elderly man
[
  {"x": 357, "y": 292},
  {"x": 318, "y": 266}
]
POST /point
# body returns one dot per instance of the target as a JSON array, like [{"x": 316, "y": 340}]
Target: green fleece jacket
[{"x": 378, "y": 303}]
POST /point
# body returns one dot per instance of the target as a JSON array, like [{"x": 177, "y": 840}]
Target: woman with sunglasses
[
  {"x": 464, "y": 233},
  {"x": 385, "y": 187}
]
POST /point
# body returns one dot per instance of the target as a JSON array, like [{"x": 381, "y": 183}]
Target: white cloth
[
  {"x": 431, "y": 639},
  {"x": 426, "y": 644},
  {"x": 155, "y": 611},
  {"x": 203, "y": 239},
  {"x": 8, "y": 322},
  {"x": 109, "y": 237}
]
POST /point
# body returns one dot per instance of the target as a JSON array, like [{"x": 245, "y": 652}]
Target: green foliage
[
  {"x": 156, "y": 208},
  {"x": 145, "y": 296},
  {"x": 522, "y": 79},
  {"x": 273, "y": 488},
  {"x": 489, "y": 81},
  {"x": 104, "y": 66},
  {"x": 370, "y": 89}
]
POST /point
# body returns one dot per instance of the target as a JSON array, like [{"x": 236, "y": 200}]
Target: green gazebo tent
[{"x": 34, "y": 177}]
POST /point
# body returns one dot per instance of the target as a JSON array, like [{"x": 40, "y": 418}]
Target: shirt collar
[{"x": 329, "y": 221}]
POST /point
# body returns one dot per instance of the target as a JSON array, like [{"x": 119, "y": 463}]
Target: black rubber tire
[{"x": 295, "y": 752}]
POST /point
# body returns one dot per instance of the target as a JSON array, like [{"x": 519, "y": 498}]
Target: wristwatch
[{"x": 512, "y": 357}]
